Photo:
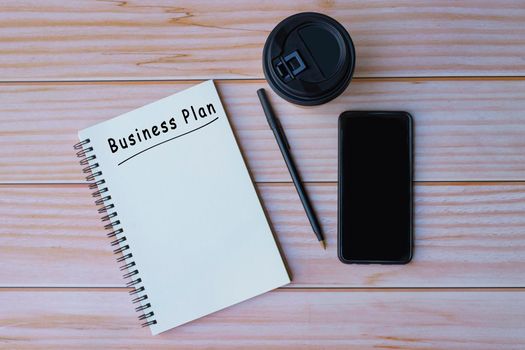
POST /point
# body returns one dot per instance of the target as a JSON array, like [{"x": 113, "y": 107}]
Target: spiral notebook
[{"x": 178, "y": 201}]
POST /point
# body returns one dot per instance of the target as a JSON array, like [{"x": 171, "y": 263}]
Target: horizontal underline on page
[{"x": 173, "y": 138}]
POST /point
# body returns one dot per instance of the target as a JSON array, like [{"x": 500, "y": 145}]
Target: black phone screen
[{"x": 375, "y": 187}]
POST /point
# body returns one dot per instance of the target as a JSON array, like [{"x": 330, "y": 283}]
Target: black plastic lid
[{"x": 309, "y": 59}]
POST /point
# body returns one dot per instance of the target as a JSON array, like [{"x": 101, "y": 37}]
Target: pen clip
[{"x": 283, "y": 134}]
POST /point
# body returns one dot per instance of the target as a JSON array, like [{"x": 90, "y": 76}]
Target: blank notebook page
[{"x": 184, "y": 198}]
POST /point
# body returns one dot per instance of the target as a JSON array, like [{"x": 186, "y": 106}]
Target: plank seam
[
  {"x": 261, "y": 79},
  {"x": 418, "y": 182},
  {"x": 292, "y": 288}
]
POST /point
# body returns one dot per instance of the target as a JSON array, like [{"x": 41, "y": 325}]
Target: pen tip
[{"x": 323, "y": 244}]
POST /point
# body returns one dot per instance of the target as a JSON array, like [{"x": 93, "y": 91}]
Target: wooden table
[{"x": 458, "y": 67}]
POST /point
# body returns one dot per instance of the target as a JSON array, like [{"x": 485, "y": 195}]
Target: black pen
[{"x": 280, "y": 136}]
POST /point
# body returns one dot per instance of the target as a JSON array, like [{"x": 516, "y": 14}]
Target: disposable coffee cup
[{"x": 309, "y": 59}]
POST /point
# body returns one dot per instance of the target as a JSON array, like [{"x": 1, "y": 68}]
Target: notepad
[{"x": 176, "y": 197}]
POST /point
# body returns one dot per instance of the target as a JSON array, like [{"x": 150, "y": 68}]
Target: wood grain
[
  {"x": 467, "y": 235},
  {"x": 291, "y": 319},
  {"x": 464, "y": 129},
  {"x": 90, "y": 40},
  {"x": 468, "y": 272}
]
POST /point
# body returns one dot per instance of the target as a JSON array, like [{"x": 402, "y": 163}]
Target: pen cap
[{"x": 308, "y": 59}]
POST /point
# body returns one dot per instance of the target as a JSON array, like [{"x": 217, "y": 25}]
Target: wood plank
[
  {"x": 283, "y": 319},
  {"x": 467, "y": 235},
  {"x": 59, "y": 40},
  {"x": 464, "y": 129}
]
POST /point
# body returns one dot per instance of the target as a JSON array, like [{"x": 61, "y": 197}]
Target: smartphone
[{"x": 375, "y": 187}]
